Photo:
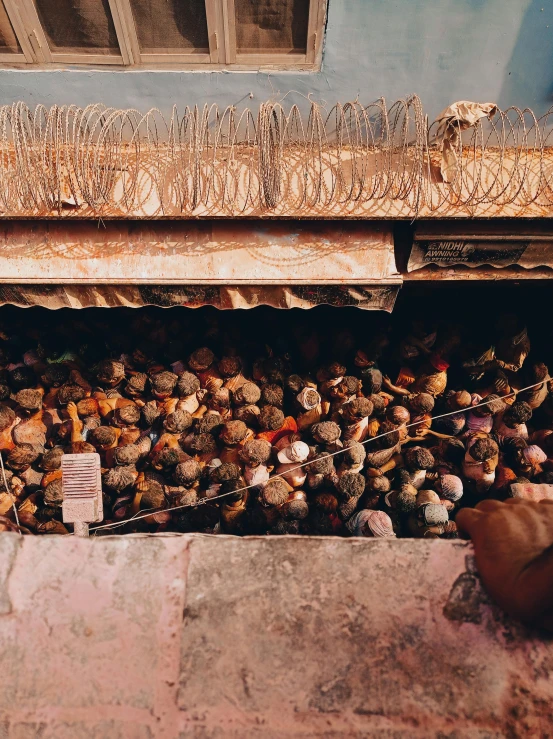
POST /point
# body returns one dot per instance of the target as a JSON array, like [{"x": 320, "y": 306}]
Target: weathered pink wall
[{"x": 215, "y": 637}]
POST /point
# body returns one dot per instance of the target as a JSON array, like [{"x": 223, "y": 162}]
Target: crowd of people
[{"x": 270, "y": 422}]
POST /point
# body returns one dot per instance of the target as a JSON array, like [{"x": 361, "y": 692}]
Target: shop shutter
[{"x": 228, "y": 264}]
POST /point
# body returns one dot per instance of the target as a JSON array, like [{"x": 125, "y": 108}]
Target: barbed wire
[{"x": 102, "y": 161}]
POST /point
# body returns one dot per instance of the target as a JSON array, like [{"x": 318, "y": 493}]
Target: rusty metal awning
[
  {"x": 226, "y": 264},
  {"x": 474, "y": 245}
]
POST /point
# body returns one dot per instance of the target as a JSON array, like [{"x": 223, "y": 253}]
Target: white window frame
[
  {"x": 147, "y": 59},
  {"x": 44, "y": 54},
  {"x": 314, "y": 37},
  {"x": 26, "y": 55},
  {"x": 222, "y": 54}
]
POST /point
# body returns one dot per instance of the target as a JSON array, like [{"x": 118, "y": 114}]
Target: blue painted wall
[{"x": 444, "y": 50}]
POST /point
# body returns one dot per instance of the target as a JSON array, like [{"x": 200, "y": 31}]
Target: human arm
[
  {"x": 387, "y": 383},
  {"x": 515, "y": 365},
  {"x": 395, "y": 461},
  {"x": 513, "y": 546},
  {"x": 76, "y": 423},
  {"x": 437, "y": 434}
]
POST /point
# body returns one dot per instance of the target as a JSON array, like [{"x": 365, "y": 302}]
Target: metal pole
[{"x": 80, "y": 528}]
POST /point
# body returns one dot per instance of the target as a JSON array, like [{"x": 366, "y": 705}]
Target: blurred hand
[{"x": 513, "y": 545}]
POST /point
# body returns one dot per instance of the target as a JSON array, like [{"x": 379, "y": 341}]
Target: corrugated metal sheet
[
  {"x": 475, "y": 245},
  {"x": 458, "y": 273},
  {"x": 207, "y": 252},
  {"x": 225, "y": 264},
  {"x": 367, "y": 297}
]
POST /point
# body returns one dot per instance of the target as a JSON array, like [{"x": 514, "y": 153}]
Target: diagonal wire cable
[{"x": 204, "y": 501}]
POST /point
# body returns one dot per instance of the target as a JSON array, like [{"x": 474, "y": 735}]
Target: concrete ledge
[{"x": 210, "y": 637}]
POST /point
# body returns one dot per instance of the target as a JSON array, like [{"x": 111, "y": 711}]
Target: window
[{"x": 222, "y": 33}]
